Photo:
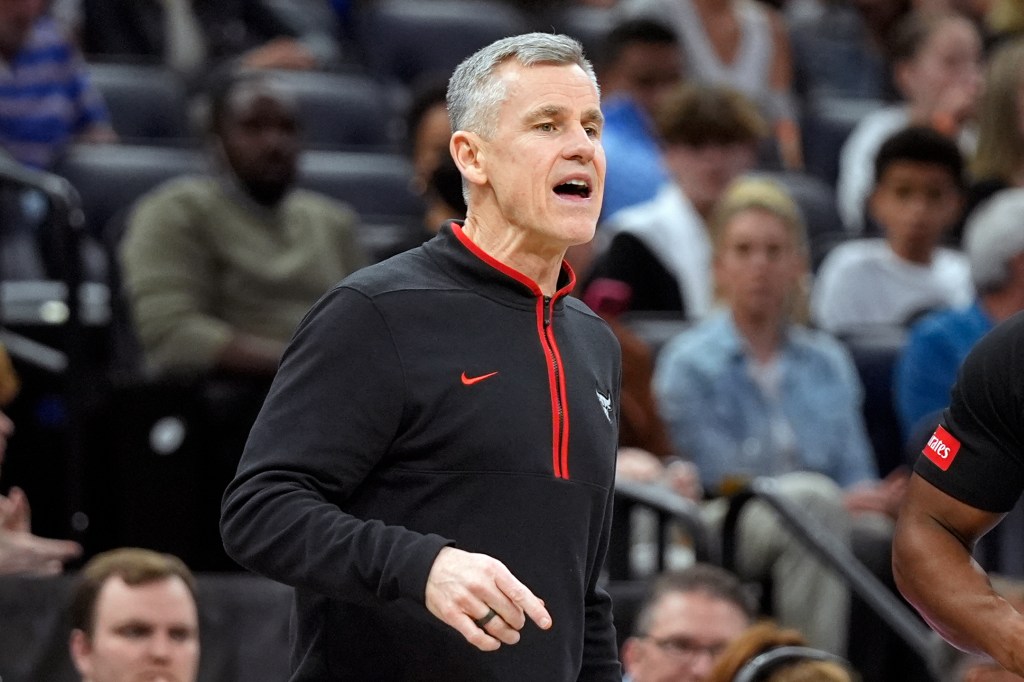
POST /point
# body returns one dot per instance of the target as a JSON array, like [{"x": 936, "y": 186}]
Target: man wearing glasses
[{"x": 686, "y": 620}]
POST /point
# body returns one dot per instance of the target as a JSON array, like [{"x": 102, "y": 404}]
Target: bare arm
[{"x": 935, "y": 571}]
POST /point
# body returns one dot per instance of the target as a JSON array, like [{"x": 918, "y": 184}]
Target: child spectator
[
  {"x": 938, "y": 70},
  {"x": 918, "y": 197}
]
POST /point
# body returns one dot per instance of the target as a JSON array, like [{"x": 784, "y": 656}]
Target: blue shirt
[
  {"x": 635, "y": 169},
  {"x": 722, "y": 418},
  {"x": 927, "y": 367},
  {"x": 45, "y": 97}
]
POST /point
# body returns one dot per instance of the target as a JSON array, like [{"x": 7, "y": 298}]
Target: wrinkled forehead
[{"x": 549, "y": 87}]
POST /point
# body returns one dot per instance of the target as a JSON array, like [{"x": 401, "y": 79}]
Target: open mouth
[{"x": 574, "y": 188}]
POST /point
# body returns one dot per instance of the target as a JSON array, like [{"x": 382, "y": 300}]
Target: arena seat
[
  {"x": 110, "y": 178},
  {"x": 404, "y": 39},
  {"x": 343, "y": 110},
  {"x": 586, "y": 23},
  {"x": 874, "y": 351},
  {"x": 147, "y": 103},
  {"x": 817, "y": 202}
]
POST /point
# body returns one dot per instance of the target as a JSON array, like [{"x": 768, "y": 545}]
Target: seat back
[
  {"x": 404, "y": 39},
  {"x": 147, "y": 103},
  {"x": 817, "y": 202},
  {"x": 343, "y": 110},
  {"x": 874, "y": 352},
  {"x": 110, "y": 178}
]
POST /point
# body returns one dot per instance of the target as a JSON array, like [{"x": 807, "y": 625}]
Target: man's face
[
  {"x": 16, "y": 20},
  {"x": 915, "y": 203},
  {"x": 704, "y": 172},
  {"x": 645, "y": 72},
  {"x": 688, "y": 630},
  {"x": 757, "y": 263},
  {"x": 543, "y": 168},
  {"x": 141, "y": 632},
  {"x": 260, "y": 136}
]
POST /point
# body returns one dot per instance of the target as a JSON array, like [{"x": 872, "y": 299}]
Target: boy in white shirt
[{"x": 917, "y": 198}]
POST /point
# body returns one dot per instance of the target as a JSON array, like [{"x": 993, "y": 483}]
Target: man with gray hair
[
  {"x": 433, "y": 467},
  {"x": 938, "y": 343}
]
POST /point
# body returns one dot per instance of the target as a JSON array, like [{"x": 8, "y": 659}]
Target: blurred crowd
[{"x": 789, "y": 183}]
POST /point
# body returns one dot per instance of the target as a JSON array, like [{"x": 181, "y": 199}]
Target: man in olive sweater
[{"x": 219, "y": 269}]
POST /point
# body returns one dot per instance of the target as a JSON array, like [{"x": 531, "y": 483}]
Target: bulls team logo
[{"x": 941, "y": 448}]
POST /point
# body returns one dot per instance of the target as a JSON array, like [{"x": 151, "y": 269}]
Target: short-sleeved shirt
[
  {"x": 46, "y": 98},
  {"x": 977, "y": 453}
]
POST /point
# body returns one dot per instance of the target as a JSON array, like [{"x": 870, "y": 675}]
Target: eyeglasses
[{"x": 685, "y": 648}]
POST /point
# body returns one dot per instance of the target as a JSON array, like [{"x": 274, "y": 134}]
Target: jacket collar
[{"x": 453, "y": 251}]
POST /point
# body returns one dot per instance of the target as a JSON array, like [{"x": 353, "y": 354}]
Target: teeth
[{"x": 577, "y": 183}]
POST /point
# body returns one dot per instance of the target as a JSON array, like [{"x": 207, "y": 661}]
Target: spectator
[
  {"x": 134, "y": 616},
  {"x": 766, "y": 653},
  {"x": 686, "y": 620},
  {"x": 749, "y": 393},
  {"x": 192, "y": 36},
  {"x": 738, "y": 43},
  {"x": 435, "y": 176},
  {"x": 937, "y": 69},
  {"x": 938, "y": 344},
  {"x": 661, "y": 248},
  {"x": 46, "y": 99},
  {"x": 220, "y": 269},
  {"x": 916, "y": 200},
  {"x": 998, "y": 162},
  {"x": 641, "y": 61}
]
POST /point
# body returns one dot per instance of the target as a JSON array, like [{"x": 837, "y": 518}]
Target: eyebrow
[{"x": 555, "y": 111}]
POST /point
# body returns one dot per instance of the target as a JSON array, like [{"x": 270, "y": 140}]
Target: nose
[
  {"x": 700, "y": 668},
  {"x": 580, "y": 145},
  {"x": 160, "y": 647}
]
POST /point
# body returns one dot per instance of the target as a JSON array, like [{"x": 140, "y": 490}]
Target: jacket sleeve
[
  {"x": 331, "y": 414},
  {"x": 600, "y": 654}
]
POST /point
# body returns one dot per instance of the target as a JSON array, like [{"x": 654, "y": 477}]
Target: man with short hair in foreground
[{"x": 134, "y": 616}]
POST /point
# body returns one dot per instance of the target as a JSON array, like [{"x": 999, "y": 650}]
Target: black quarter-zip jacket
[{"x": 437, "y": 398}]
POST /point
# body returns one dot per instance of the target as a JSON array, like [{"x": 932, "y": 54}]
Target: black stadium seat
[
  {"x": 817, "y": 202},
  {"x": 110, "y": 178},
  {"x": 874, "y": 351},
  {"x": 342, "y": 110},
  {"x": 147, "y": 103},
  {"x": 404, "y": 39}
]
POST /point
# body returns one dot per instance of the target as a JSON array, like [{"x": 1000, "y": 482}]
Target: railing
[
  {"x": 667, "y": 506},
  {"x": 928, "y": 645},
  {"x": 65, "y": 225}
]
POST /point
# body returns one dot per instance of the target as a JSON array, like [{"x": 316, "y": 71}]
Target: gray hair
[
  {"x": 474, "y": 91},
  {"x": 994, "y": 236}
]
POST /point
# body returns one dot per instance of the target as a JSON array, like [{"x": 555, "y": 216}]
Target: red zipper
[{"x": 556, "y": 385}]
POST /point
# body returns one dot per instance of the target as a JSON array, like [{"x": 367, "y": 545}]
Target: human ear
[
  {"x": 81, "y": 653},
  {"x": 469, "y": 154}
]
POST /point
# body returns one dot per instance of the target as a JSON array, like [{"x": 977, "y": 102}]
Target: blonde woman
[
  {"x": 749, "y": 392},
  {"x": 998, "y": 162}
]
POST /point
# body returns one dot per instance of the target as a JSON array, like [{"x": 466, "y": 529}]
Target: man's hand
[
  {"x": 463, "y": 588},
  {"x": 15, "y": 514},
  {"x": 22, "y": 552}
]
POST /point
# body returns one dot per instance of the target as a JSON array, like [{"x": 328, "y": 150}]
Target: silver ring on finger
[{"x": 485, "y": 619}]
